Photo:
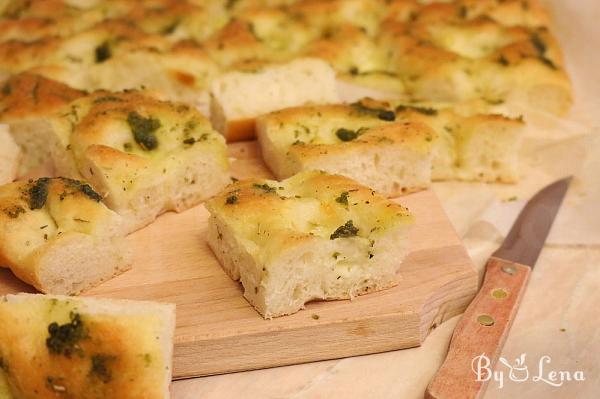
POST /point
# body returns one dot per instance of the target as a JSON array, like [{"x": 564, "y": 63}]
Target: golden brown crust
[
  {"x": 28, "y": 95},
  {"x": 276, "y": 206}
]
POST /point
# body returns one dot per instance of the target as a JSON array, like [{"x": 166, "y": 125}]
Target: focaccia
[
  {"x": 145, "y": 156},
  {"x": 57, "y": 235},
  {"x": 300, "y": 82},
  {"x": 443, "y": 53},
  {"x": 477, "y": 147},
  {"x": 114, "y": 55},
  {"x": 85, "y": 348},
  {"x": 362, "y": 143},
  {"x": 398, "y": 147},
  {"x": 27, "y": 102},
  {"x": 312, "y": 236}
]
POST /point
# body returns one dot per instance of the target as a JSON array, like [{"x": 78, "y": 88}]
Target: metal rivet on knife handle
[
  {"x": 509, "y": 269},
  {"x": 485, "y": 320},
  {"x": 499, "y": 293}
]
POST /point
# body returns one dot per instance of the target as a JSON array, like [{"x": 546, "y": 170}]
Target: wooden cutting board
[{"x": 219, "y": 332}]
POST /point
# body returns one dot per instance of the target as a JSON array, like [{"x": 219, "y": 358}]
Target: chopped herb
[
  {"x": 346, "y": 230},
  {"x": 421, "y": 110},
  {"x": 503, "y": 61},
  {"x": 346, "y": 134},
  {"x": 6, "y": 89},
  {"x": 234, "y": 179},
  {"x": 541, "y": 48},
  {"x": 100, "y": 369},
  {"x": 127, "y": 147},
  {"x": 265, "y": 187},
  {"x": 538, "y": 43},
  {"x": 103, "y": 52},
  {"x": 192, "y": 141},
  {"x": 548, "y": 62},
  {"x": 106, "y": 99},
  {"x": 144, "y": 130},
  {"x": 343, "y": 198},
  {"x": 335, "y": 255},
  {"x": 232, "y": 199},
  {"x": 315, "y": 316},
  {"x": 38, "y": 193},
  {"x": 89, "y": 191},
  {"x": 169, "y": 29},
  {"x": 3, "y": 365},
  {"x": 14, "y": 211},
  {"x": 63, "y": 338},
  {"x": 81, "y": 220},
  {"x": 381, "y": 113}
]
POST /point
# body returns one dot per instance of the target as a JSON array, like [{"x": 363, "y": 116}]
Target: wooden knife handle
[{"x": 482, "y": 329}]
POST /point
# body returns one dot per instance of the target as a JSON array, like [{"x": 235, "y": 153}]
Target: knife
[{"x": 484, "y": 326}]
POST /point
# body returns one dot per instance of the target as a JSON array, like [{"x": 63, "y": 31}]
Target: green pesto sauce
[
  {"x": 265, "y": 187},
  {"x": 103, "y": 52},
  {"x": 381, "y": 113},
  {"x": 343, "y": 198},
  {"x": 346, "y": 134},
  {"x": 38, "y": 193},
  {"x": 144, "y": 130},
  {"x": 344, "y": 231},
  {"x": 63, "y": 339},
  {"x": 421, "y": 110}
]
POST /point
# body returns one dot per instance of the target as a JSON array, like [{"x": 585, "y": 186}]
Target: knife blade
[{"x": 484, "y": 326}]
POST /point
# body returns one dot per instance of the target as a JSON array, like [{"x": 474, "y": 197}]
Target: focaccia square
[
  {"x": 300, "y": 82},
  {"x": 27, "y": 101},
  {"x": 145, "y": 156},
  {"x": 86, "y": 348},
  {"x": 364, "y": 143},
  {"x": 312, "y": 236},
  {"x": 57, "y": 235},
  {"x": 477, "y": 147}
]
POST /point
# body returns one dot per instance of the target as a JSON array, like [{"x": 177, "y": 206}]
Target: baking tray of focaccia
[{"x": 201, "y": 187}]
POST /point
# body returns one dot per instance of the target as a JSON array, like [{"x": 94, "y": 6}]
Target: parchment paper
[{"x": 553, "y": 147}]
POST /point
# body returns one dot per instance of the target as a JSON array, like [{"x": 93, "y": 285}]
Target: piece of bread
[
  {"x": 449, "y": 58},
  {"x": 143, "y": 155},
  {"x": 57, "y": 235},
  {"x": 478, "y": 147},
  {"x": 115, "y": 55},
  {"x": 235, "y": 102},
  {"x": 27, "y": 101},
  {"x": 85, "y": 348},
  {"x": 10, "y": 156},
  {"x": 364, "y": 143},
  {"x": 312, "y": 236},
  {"x": 180, "y": 72}
]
